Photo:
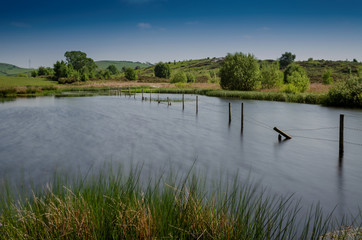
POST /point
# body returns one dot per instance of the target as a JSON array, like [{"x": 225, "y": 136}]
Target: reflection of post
[
  {"x": 229, "y": 112},
  {"x": 341, "y": 135}
]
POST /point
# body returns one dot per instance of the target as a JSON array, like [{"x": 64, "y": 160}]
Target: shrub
[
  {"x": 179, "y": 77},
  {"x": 34, "y": 73},
  {"x": 239, "y": 72},
  {"x": 130, "y": 74},
  {"x": 22, "y": 75},
  {"x": 346, "y": 94},
  {"x": 84, "y": 77},
  {"x": 296, "y": 76},
  {"x": 191, "y": 78},
  {"x": 162, "y": 70},
  {"x": 327, "y": 77},
  {"x": 270, "y": 75}
]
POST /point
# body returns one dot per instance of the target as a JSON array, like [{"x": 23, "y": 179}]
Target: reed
[{"x": 115, "y": 205}]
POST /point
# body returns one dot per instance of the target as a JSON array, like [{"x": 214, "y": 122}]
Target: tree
[
  {"x": 79, "y": 61},
  {"x": 270, "y": 75},
  {"x": 162, "y": 70},
  {"x": 60, "y": 70},
  {"x": 286, "y": 59},
  {"x": 130, "y": 74},
  {"x": 34, "y": 73},
  {"x": 296, "y": 78},
  {"x": 239, "y": 72},
  {"x": 113, "y": 69}
]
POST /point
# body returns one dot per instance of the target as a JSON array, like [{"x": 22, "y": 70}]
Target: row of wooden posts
[{"x": 341, "y": 120}]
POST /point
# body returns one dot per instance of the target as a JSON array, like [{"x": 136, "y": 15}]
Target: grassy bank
[{"x": 116, "y": 206}]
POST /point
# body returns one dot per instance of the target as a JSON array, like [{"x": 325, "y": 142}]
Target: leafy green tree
[
  {"x": 296, "y": 77},
  {"x": 355, "y": 60},
  {"x": 270, "y": 75},
  {"x": 42, "y": 71},
  {"x": 327, "y": 77},
  {"x": 346, "y": 93},
  {"x": 179, "y": 77},
  {"x": 286, "y": 59},
  {"x": 162, "y": 70},
  {"x": 239, "y": 72},
  {"x": 79, "y": 61},
  {"x": 130, "y": 74},
  {"x": 60, "y": 70},
  {"x": 113, "y": 69}
]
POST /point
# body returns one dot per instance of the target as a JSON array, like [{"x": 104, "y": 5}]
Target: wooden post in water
[
  {"x": 282, "y": 133},
  {"x": 341, "y": 135},
  {"x": 158, "y": 98},
  {"x": 197, "y": 104},
  {"x": 120, "y": 92},
  {"x": 150, "y": 95},
  {"x": 129, "y": 91},
  {"x": 134, "y": 96},
  {"x": 168, "y": 101},
  {"x": 229, "y": 113},
  {"x": 183, "y": 102},
  {"x": 142, "y": 95},
  {"x": 242, "y": 117}
]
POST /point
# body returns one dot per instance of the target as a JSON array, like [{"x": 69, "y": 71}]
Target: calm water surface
[{"x": 70, "y": 135}]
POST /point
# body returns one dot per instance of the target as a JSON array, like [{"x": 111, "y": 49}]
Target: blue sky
[{"x": 167, "y": 30}]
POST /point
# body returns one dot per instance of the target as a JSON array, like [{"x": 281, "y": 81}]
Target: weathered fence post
[
  {"x": 168, "y": 101},
  {"x": 134, "y": 96},
  {"x": 197, "y": 104},
  {"x": 142, "y": 95},
  {"x": 229, "y": 113},
  {"x": 341, "y": 135},
  {"x": 150, "y": 95},
  {"x": 129, "y": 91},
  {"x": 242, "y": 117},
  {"x": 158, "y": 98},
  {"x": 183, "y": 102}
]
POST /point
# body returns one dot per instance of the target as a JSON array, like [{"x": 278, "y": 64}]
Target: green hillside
[
  {"x": 12, "y": 70},
  {"x": 120, "y": 64}
]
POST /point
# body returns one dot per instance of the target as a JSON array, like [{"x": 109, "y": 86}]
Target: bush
[
  {"x": 22, "y": 75},
  {"x": 239, "y": 72},
  {"x": 191, "y": 78},
  {"x": 179, "y": 77},
  {"x": 327, "y": 77},
  {"x": 130, "y": 74},
  {"x": 162, "y": 70},
  {"x": 270, "y": 75},
  {"x": 34, "y": 73},
  {"x": 346, "y": 94},
  {"x": 84, "y": 77},
  {"x": 113, "y": 69},
  {"x": 296, "y": 76}
]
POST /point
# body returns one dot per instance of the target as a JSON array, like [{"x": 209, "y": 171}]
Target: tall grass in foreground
[{"x": 115, "y": 206}]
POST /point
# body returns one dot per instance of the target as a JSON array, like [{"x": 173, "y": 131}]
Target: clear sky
[{"x": 167, "y": 30}]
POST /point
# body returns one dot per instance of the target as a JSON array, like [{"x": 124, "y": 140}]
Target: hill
[
  {"x": 120, "y": 64},
  {"x": 12, "y": 70}
]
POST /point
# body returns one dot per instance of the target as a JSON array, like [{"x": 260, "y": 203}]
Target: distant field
[
  {"x": 120, "y": 64},
  {"x": 6, "y": 82},
  {"x": 12, "y": 70}
]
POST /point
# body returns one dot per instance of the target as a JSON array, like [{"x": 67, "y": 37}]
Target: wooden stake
[
  {"x": 341, "y": 135},
  {"x": 197, "y": 104},
  {"x": 229, "y": 113},
  {"x": 183, "y": 102},
  {"x": 242, "y": 117},
  {"x": 142, "y": 95},
  {"x": 282, "y": 133},
  {"x": 150, "y": 95}
]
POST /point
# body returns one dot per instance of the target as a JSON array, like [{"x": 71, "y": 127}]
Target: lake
[{"x": 72, "y": 135}]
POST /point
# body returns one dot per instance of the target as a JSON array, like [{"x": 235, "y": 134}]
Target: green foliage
[
  {"x": 43, "y": 71},
  {"x": 60, "y": 70},
  {"x": 84, "y": 77},
  {"x": 191, "y": 78},
  {"x": 327, "y": 77},
  {"x": 12, "y": 70},
  {"x": 162, "y": 70},
  {"x": 121, "y": 64},
  {"x": 286, "y": 59},
  {"x": 310, "y": 59},
  {"x": 179, "y": 77},
  {"x": 296, "y": 76},
  {"x": 239, "y": 72},
  {"x": 270, "y": 75},
  {"x": 112, "y": 68},
  {"x": 355, "y": 60},
  {"x": 130, "y": 74},
  {"x": 22, "y": 75},
  {"x": 346, "y": 94},
  {"x": 34, "y": 73}
]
